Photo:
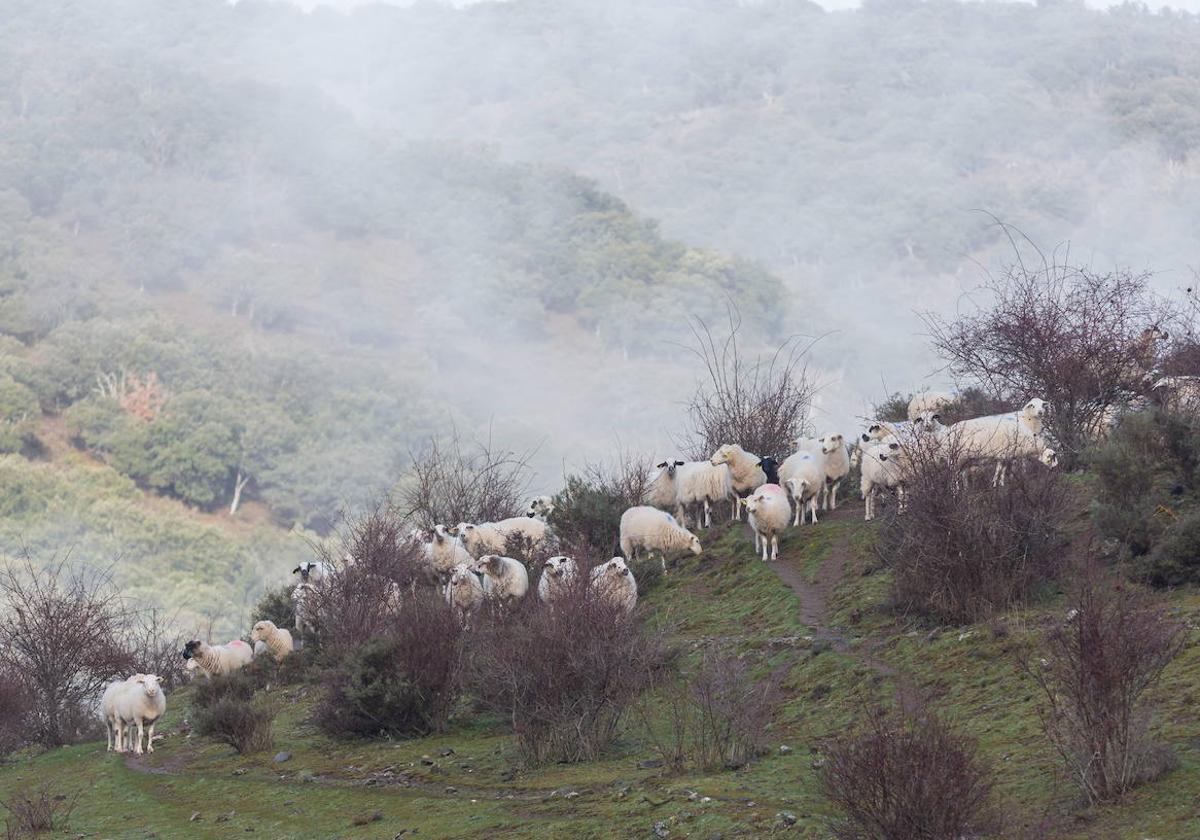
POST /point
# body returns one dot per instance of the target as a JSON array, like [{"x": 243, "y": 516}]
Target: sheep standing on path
[
  {"x": 504, "y": 579},
  {"x": 882, "y": 468},
  {"x": 701, "y": 484},
  {"x": 769, "y": 511},
  {"x": 215, "y": 660},
  {"x": 830, "y": 452},
  {"x": 745, "y": 472},
  {"x": 278, "y": 640},
  {"x": 647, "y": 529},
  {"x": 803, "y": 476},
  {"x": 615, "y": 582},
  {"x": 135, "y": 702},
  {"x": 558, "y": 575}
]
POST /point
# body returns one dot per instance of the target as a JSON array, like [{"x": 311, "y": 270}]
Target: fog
[{"x": 828, "y": 175}]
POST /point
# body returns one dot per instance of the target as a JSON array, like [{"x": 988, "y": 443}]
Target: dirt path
[{"x": 815, "y": 597}]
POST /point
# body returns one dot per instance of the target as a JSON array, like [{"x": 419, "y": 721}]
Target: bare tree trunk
[{"x": 238, "y": 485}]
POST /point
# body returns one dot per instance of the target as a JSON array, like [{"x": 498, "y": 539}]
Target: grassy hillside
[{"x": 818, "y": 613}]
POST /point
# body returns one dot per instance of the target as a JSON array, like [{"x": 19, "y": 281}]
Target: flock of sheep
[{"x": 467, "y": 562}]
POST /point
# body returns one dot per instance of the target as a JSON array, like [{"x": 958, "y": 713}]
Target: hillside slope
[{"x": 818, "y": 613}]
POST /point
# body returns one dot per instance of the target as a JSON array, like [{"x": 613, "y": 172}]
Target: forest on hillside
[{"x": 252, "y": 255}]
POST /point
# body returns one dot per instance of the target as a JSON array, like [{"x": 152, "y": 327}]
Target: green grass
[{"x": 726, "y": 597}]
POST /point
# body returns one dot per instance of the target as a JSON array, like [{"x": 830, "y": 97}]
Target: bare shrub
[
  {"x": 962, "y": 550},
  {"x": 564, "y": 676},
  {"x": 32, "y": 811},
  {"x": 895, "y": 776},
  {"x": 761, "y": 403},
  {"x": 973, "y": 401},
  {"x": 154, "y": 644},
  {"x": 16, "y": 709},
  {"x": 1075, "y": 337},
  {"x": 1093, "y": 671},
  {"x": 362, "y": 598},
  {"x": 404, "y": 681},
  {"x": 63, "y": 631},
  {"x": 587, "y": 511},
  {"x": 715, "y": 716},
  {"x": 454, "y": 481},
  {"x": 226, "y": 709}
]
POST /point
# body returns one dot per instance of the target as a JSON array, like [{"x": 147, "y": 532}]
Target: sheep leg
[
  {"x": 998, "y": 475},
  {"x": 813, "y": 505},
  {"x": 120, "y": 725},
  {"x": 774, "y": 546},
  {"x": 137, "y": 745},
  {"x": 108, "y": 731},
  {"x": 736, "y": 514},
  {"x": 869, "y": 497},
  {"x": 796, "y": 516},
  {"x": 764, "y": 549},
  {"x": 833, "y": 501},
  {"x": 150, "y": 737}
]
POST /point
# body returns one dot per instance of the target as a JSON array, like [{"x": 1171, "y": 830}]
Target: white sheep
[
  {"x": 882, "y": 468},
  {"x": 445, "y": 552},
  {"x": 928, "y": 402},
  {"x": 504, "y": 579},
  {"x": 770, "y": 512},
  {"x": 464, "y": 592},
  {"x": 745, "y": 472},
  {"x": 215, "y": 660},
  {"x": 540, "y": 507},
  {"x": 701, "y": 484},
  {"x": 137, "y": 701},
  {"x": 803, "y": 476},
  {"x": 108, "y": 714},
  {"x": 492, "y": 537},
  {"x": 304, "y": 607},
  {"x": 558, "y": 575},
  {"x": 1002, "y": 437},
  {"x": 615, "y": 582},
  {"x": 313, "y": 572},
  {"x": 660, "y": 491},
  {"x": 650, "y": 529},
  {"x": 277, "y": 639},
  {"x": 831, "y": 453}
]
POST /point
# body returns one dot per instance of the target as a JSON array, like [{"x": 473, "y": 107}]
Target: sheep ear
[
  {"x": 296, "y": 570},
  {"x": 680, "y": 463},
  {"x": 661, "y": 466}
]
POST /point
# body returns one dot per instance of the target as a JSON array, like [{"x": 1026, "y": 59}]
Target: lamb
[
  {"x": 313, "y": 572},
  {"x": 928, "y": 402},
  {"x": 701, "y": 483},
  {"x": 464, "y": 592},
  {"x": 137, "y": 701},
  {"x": 804, "y": 477},
  {"x": 504, "y": 579},
  {"x": 215, "y": 660},
  {"x": 882, "y": 468},
  {"x": 650, "y": 529},
  {"x": 445, "y": 552},
  {"x": 770, "y": 511},
  {"x": 557, "y": 577},
  {"x": 304, "y": 607},
  {"x": 614, "y": 582},
  {"x": 276, "y": 638},
  {"x": 1002, "y": 437},
  {"x": 660, "y": 492},
  {"x": 745, "y": 472},
  {"x": 831, "y": 453},
  {"x": 540, "y": 507},
  {"x": 491, "y": 537}
]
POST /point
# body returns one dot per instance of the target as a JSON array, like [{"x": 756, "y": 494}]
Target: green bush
[
  {"x": 276, "y": 606},
  {"x": 405, "y": 683},
  {"x": 1175, "y": 560},
  {"x": 227, "y": 710}
]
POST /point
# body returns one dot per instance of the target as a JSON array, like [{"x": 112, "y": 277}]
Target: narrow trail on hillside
[{"x": 816, "y": 595}]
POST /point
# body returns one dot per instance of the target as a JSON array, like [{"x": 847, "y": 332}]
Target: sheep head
[
  {"x": 262, "y": 630},
  {"x": 149, "y": 684},
  {"x": 694, "y": 545},
  {"x": 724, "y": 454},
  {"x": 1034, "y": 409},
  {"x": 557, "y": 566},
  {"x": 830, "y": 444},
  {"x": 192, "y": 648}
]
